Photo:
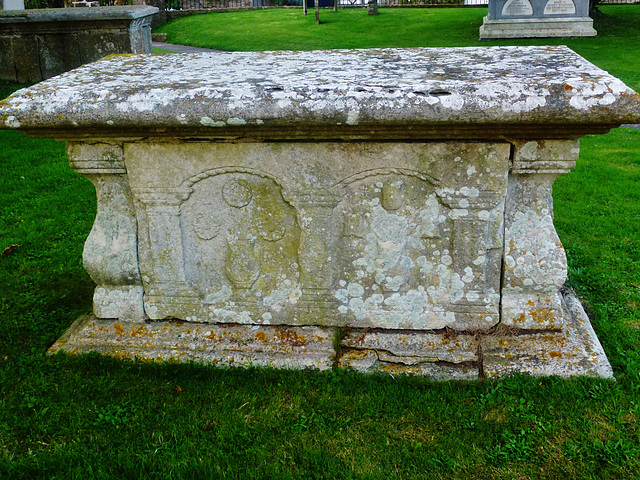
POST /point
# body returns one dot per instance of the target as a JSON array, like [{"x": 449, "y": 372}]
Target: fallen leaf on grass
[{"x": 9, "y": 249}]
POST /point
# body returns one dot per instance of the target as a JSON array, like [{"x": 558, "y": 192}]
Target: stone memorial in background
[
  {"x": 11, "y": 5},
  {"x": 383, "y": 210},
  {"x": 39, "y": 44},
  {"x": 537, "y": 18}
]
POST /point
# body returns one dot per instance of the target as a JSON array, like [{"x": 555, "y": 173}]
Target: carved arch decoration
[{"x": 241, "y": 232}]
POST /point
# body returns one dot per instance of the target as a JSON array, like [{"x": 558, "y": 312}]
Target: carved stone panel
[
  {"x": 560, "y": 7},
  {"x": 243, "y": 240},
  {"x": 408, "y": 259},
  {"x": 517, "y": 8},
  {"x": 395, "y": 252},
  {"x": 390, "y": 236}
]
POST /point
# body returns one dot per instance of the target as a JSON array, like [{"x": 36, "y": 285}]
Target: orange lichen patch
[
  {"x": 390, "y": 368},
  {"x": 567, "y": 87},
  {"x": 555, "y": 354},
  {"x": 291, "y": 338},
  {"x": 261, "y": 336},
  {"x": 137, "y": 332},
  {"x": 542, "y": 315},
  {"x": 118, "y": 328},
  {"x": 356, "y": 355}
]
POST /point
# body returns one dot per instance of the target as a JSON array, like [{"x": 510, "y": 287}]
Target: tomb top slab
[
  {"x": 76, "y": 14},
  {"x": 378, "y": 93}
]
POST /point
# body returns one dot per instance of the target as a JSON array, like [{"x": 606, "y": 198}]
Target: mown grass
[
  {"x": 92, "y": 417},
  {"x": 615, "y": 48}
]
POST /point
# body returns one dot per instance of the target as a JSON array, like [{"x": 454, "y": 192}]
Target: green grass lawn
[
  {"x": 615, "y": 48},
  {"x": 92, "y": 417}
]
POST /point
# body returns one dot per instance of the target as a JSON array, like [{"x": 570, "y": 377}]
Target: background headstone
[
  {"x": 537, "y": 18},
  {"x": 11, "y": 4}
]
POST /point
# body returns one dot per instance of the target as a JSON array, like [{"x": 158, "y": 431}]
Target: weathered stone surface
[
  {"x": 7, "y": 60},
  {"x": 440, "y": 355},
  {"x": 371, "y": 241},
  {"x": 395, "y": 202},
  {"x": 58, "y": 53},
  {"x": 573, "y": 350},
  {"x": 369, "y": 361},
  {"x": 111, "y": 250},
  {"x": 40, "y": 44},
  {"x": 345, "y": 94},
  {"x": 11, "y": 4},
  {"x": 539, "y": 9},
  {"x": 279, "y": 347},
  {"x": 23, "y": 51},
  {"x": 535, "y": 264}
]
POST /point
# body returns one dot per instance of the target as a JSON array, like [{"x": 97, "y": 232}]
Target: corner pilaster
[
  {"x": 535, "y": 264},
  {"x": 111, "y": 251}
]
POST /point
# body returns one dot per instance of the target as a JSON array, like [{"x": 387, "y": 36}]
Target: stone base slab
[
  {"x": 444, "y": 355},
  {"x": 572, "y": 350},
  {"x": 447, "y": 355},
  {"x": 229, "y": 345},
  {"x": 537, "y": 28}
]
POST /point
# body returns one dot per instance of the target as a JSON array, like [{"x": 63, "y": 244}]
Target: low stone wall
[
  {"x": 383, "y": 210},
  {"x": 39, "y": 44}
]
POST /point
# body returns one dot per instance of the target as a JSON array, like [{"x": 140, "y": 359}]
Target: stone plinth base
[
  {"x": 537, "y": 28},
  {"x": 444, "y": 355},
  {"x": 229, "y": 345}
]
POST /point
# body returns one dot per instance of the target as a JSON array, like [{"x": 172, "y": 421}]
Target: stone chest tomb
[
  {"x": 39, "y": 44},
  {"x": 383, "y": 210}
]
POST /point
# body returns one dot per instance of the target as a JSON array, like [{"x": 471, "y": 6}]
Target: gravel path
[{"x": 181, "y": 48}]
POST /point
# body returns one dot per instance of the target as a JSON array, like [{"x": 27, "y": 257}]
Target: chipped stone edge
[{"x": 582, "y": 324}]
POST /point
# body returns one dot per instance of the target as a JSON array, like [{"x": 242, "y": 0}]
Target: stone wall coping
[
  {"x": 120, "y": 12},
  {"x": 487, "y": 92}
]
